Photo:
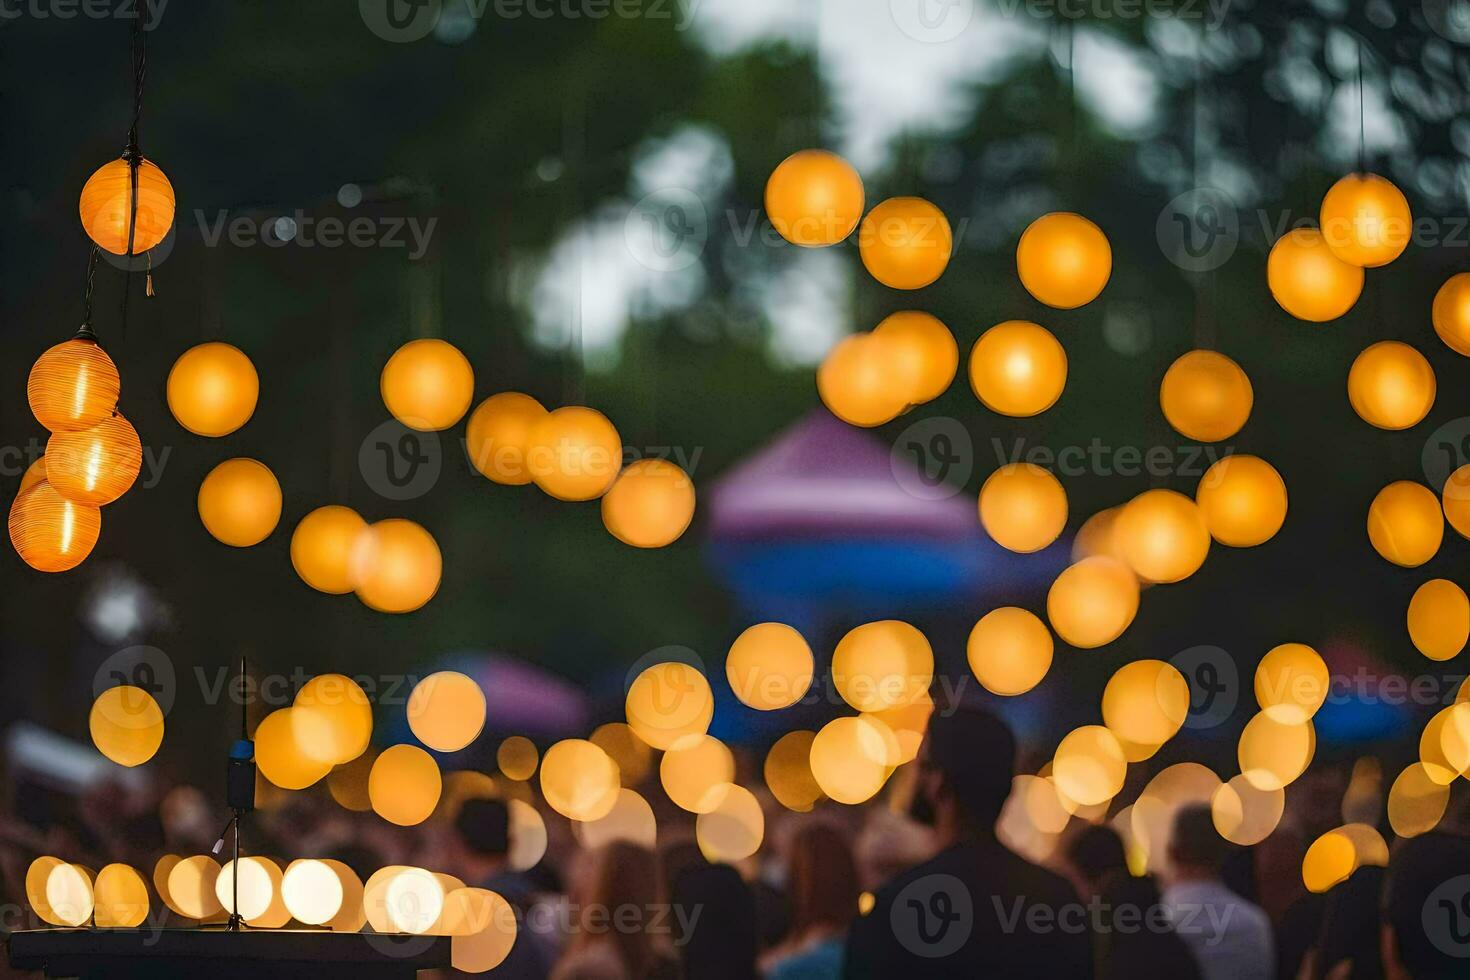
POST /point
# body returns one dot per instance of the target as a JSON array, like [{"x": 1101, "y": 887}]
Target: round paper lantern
[
  {"x": 1145, "y": 702},
  {"x": 396, "y": 566},
  {"x": 1163, "y": 535},
  {"x": 191, "y": 887},
  {"x": 650, "y": 504},
  {"x": 1308, "y": 280},
  {"x": 1245, "y": 815},
  {"x": 1455, "y": 498},
  {"x": 213, "y": 389},
  {"x": 427, "y": 384},
  {"x": 788, "y": 772},
  {"x": 322, "y": 546},
  {"x": 1405, "y": 523},
  {"x": 734, "y": 829},
  {"x": 922, "y": 353},
  {"x": 1064, "y": 260},
  {"x": 905, "y": 243},
  {"x": 1089, "y": 766},
  {"x": 814, "y": 197},
  {"x": 1023, "y": 507},
  {"x": 73, "y": 386},
  {"x": 498, "y": 434},
  {"x": 769, "y": 666},
  {"x": 312, "y": 892},
  {"x": 857, "y": 383},
  {"x": 697, "y": 773},
  {"x": 240, "y": 502},
  {"x": 1092, "y": 602},
  {"x": 446, "y": 711},
  {"x": 579, "y": 780},
  {"x": 1206, "y": 396},
  {"x": 1451, "y": 313},
  {"x": 1272, "y": 754},
  {"x": 574, "y": 453},
  {"x": 1018, "y": 368},
  {"x": 1291, "y": 683},
  {"x": 107, "y": 206},
  {"x": 1243, "y": 500},
  {"x": 1009, "y": 650},
  {"x": 405, "y": 785},
  {"x": 1096, "y": 537},
  {"x": 669, "y": 702},
  {"x": 120, "y": 898},
  {"x": 847, "y": 759},
  {"x": 1391, "y": 385},
  {"x": 126, "y": 725},
  {"x": 95, "y": 466},
  {"x": 1416, "y": 801},
  {"x": 34, "y": 474},
  {"x": 1439, "y": 619},
  {"x": 1366, "y": 220},
  {"x": 882, "y": 665},
  {"x": 279, "y": 757},
  {"x": 517, "y": 757},
  {"x": 51, "y": 533},
  {"x": 331, "y": 719}
]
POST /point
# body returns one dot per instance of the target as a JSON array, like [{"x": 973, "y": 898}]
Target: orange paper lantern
[
  {"x": 212, "y": 389},
  {"x": 1391, "y": 385},
  {"x": 814, "y": 197},
  {"x": 240, "y": 502},
  {"x": 73, "y": 386},
  {"x": 857, "y": 382},
  {"x": 1366, "y": 220},
  {"x": 51, "y": 533},
  {"x": 396, "y": 566},
  {"x": 574, "y": 453},
  {"x": 498, "y": 434},
  {"x": 322, "y": 545},
  {"x": 650, "y": 505},
  {"x": 1308, "y": 280},
  {"x": 95, "y": 466},
  {"x": 1018, "y": 368},
  {"x": 905, "y": 243},
  {"x": 1451, "y": 313},
  {"x": 1206, "y": 396},
  {"x": 107, "y": 206},
  {"x": 1064, "y": 260},
  {"x": 427, "y": 384}
]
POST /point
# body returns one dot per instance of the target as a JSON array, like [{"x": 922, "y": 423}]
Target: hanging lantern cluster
[{"x": 872, "y": 378}]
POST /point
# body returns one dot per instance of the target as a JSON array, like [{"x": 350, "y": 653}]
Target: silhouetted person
[
  {"x": 481, "y": 849},
  {"x": 616, "y": 902},
  {"x": 1426, "y": 900},
  {"x": 721, "y": 940},
  {"x": 1229, "y": 936},
  {"x": 822, "y": 887},
  {"x": 1347, "y": 945},
  {"x": 1131, "y": 939},
  {"x": 976, "y": 909}
]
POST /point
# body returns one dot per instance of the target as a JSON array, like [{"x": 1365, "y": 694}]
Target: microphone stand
[{"x": 240, "y": 797}]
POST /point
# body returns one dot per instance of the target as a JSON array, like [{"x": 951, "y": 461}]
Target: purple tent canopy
[{"x": 522, "y": 698}]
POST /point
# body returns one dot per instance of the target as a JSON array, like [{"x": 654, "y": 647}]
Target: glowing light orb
[
  {"x": 258, "y": 888},
  {"x": 483, "y": 926},
  {"x": 331, "y": 719},
  {"x": 734, "y": 829},
  {"x": 1064, "y": 260},
  {"x": 1145, "y": 702},
  {"x": 1308, "y": 280},
  {"x": 69, "y": 895},
  {"x": 1206, "y": 396},
  {"x": 499, "y": 433},
  {"x": 404, "y": 785},
  {"x": 517, "y": 757},
  {"x": 322, "y": 547},
  {"x": 279, "y": 756},
  {"x": 697, "y": 773},
  {"x": 213, "y": 389},
  {"x": 1023, "y": 507},
  {"x": 579, "y": 780},
  {"x": 769, "y": 666},
  {"x": 882, "y": 665},
  {"x": 94, "y": 466},
  {"x": 788, "y": 772},
  {"x": 1243, "y": 500},
  {"x": 126, "y": 725},
  {"x": 630, "y": 819},
  {"x": 1416, "y": 801},
  {"x": 814, "y": 197},
  {"x": 1405, "y": 523},
  {"x": 574, "y": 453},
  {"x": 1272, "y": 754},
  {"x": 1018, "y": 368},
  {"x": 312, "y": 892},
  {"x": 34, "y": 474},
  {"x": 120, "y": 898},
  {"x": 1244, "y": 814},
  {"x": 446, "y": 711},
  {"x": 1163, "y": 535},
  {"x": 191, "y": 886},
  {"x": 1451, "y": 313},
  {"x": 414, "y": 900},
  {"x": 633, "y": 756},
  {"x": 923, "y": 353},
  {"x": 1366, "y": 220},
  {"x": 1330, "y": 860},
  {"x": 1391, "y": 385},
  {"x": 1456, "y": 500},
  {"x": 51, "y": 533},
  {"x": 73, "y": 386},
  {"x": 427, "y": 385},
  {"x": 1092, "y": 602},
  {"x": 668, "y": 702},
  {"x": 396, "y": 566},
  {"x": 857, "y": 383},
  {"x": 905, "y": 243},
  {"x": 650, "y": 504},
  {"x": 847, "y": 759},
  {"x": 1009, "y": 650},
  {"x": 1439, "y": 619},
  {"x": 1291, "y": 683},
  {"x": 107, "y": 211},
  {"x": 240, "y": 502},
  {"x": 1089, "y": 765}
]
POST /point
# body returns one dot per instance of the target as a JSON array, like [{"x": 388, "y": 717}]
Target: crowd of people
[{"x": 914, "y": 887}]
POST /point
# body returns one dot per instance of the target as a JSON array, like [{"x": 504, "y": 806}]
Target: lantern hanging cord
[
  {"x": 134, "y": 157},
  {"x": 86, "y": 328},
  {"x": 1362, "y": 125}
]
